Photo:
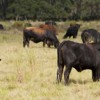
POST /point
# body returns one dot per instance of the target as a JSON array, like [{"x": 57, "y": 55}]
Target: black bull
[
  {"x": 90, "y": 35},
  {"x": 72, "y": 31},
  {"x": 79, "y": 56},
  {"x": 36, "y": 38}
]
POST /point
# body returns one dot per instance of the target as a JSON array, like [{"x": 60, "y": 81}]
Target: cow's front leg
[
  {"x": 28, "y": 43},
  {"x": 66, "y": 74},
  {"x": 94, "y": 75}
]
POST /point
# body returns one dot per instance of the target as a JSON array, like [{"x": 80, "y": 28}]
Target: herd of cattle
[{"x": 80, "y": 56}]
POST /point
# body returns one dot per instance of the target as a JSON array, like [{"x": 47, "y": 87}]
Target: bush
[
  {"x": 18, "y": 25},
  {"x": 27, "y": 25}
]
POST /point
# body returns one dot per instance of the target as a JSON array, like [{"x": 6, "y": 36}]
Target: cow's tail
[
  {"x": 59, "y": 53},
  {"x": 60, "y": 62}
]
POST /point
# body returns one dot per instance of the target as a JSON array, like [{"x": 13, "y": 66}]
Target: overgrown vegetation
[
  {"x": 30, "y": 73},
  {"x": 50, "y": 9}
]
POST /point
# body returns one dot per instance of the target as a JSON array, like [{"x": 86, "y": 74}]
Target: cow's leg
[
  {"x": 67, "y": 73},
  {"x": 44, "y": 42},
  {"x": 24, "y": 43},
  {"x": 49, "y": 43},
  {"x": 74, "y": 36},
  {"x": 97, "y": 74},
  {"x": 94, "y": 75},
  {"x": 28, "y": 43},
  {"x": 59, "y": 73}
]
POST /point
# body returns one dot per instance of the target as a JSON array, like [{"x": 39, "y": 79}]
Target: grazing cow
[
  {"x": 90, "y": 35},
  {"x": 72, "y": 31},
  {"x": 0, "y": 59},
  {"x": 1, "y": 27},
  {"x": 39, "y": 35},
  {"x": 79, "y": 56},
  {"x": 51, "y": 28}
]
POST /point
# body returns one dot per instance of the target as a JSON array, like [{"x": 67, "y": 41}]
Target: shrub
[
  {"x": 18, "y": 25},
  {"x": 27, "y": 25}
]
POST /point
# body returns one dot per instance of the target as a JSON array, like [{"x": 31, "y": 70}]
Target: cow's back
[
  {"x": 90, "y": 35},
  {"x": 77, "y": 52}
]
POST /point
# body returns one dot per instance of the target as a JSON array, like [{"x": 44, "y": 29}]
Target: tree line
[{"x": 50, "y": 9}]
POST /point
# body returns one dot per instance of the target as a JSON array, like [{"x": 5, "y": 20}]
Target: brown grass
[{"x": 30, "y": 73}]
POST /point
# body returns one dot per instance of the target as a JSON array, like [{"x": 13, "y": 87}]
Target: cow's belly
[
  {"x": 81, "y": 67},
  {"x": 36, "y": 40}
]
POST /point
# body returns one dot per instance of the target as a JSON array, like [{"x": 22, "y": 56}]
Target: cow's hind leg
[
  {"x": 67, "y": 73},
  {"x": 59, "y": 73},
  {"x": 96, "y": 74}
]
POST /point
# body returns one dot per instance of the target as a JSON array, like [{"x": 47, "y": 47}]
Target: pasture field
[{"x": 30, "y": 73}]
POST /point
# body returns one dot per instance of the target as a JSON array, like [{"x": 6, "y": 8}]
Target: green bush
[
  {"x": 18, "y": 25},
  {"x": 27, "y": 25}
]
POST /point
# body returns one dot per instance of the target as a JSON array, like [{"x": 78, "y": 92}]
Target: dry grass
[{"x": 30, "y": 73}]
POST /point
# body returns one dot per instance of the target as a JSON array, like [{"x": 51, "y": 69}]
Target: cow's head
[{"x": 56, "y": 44}]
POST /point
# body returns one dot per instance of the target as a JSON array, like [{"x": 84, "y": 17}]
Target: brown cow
[
  {"x": 49, "y": 27},
  {"x": 36, "y": 35}
]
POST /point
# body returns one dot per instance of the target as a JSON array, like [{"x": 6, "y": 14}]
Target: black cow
[
  {"x": 1, "y": 27},
  {"x": 39, "y": 35},
  {"x": 79, "y": 56},
  {"x": 72, "y": 31},
  {"x": 90, "y": 35}
]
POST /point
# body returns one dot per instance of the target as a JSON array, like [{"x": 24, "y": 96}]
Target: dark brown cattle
[
  {"x": 90, "y": 36},
  {"x": 1, "y": 27},
  {"x": 36, "y": 35},
  {"x": 78, "y": 56},
  {"x": 72, "y": 31}
]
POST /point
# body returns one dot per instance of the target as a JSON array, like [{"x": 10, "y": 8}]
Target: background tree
[{"x": 50, "y": 9}]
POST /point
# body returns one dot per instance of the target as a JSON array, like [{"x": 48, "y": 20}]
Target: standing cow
[
  {"x": 72, "y": 31},
  {"x": 1, "y": 27},
  {"x": 39, "y": 35},
  {"x": 79, "y": 56},
  {"x": 90, "y": 35}
]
